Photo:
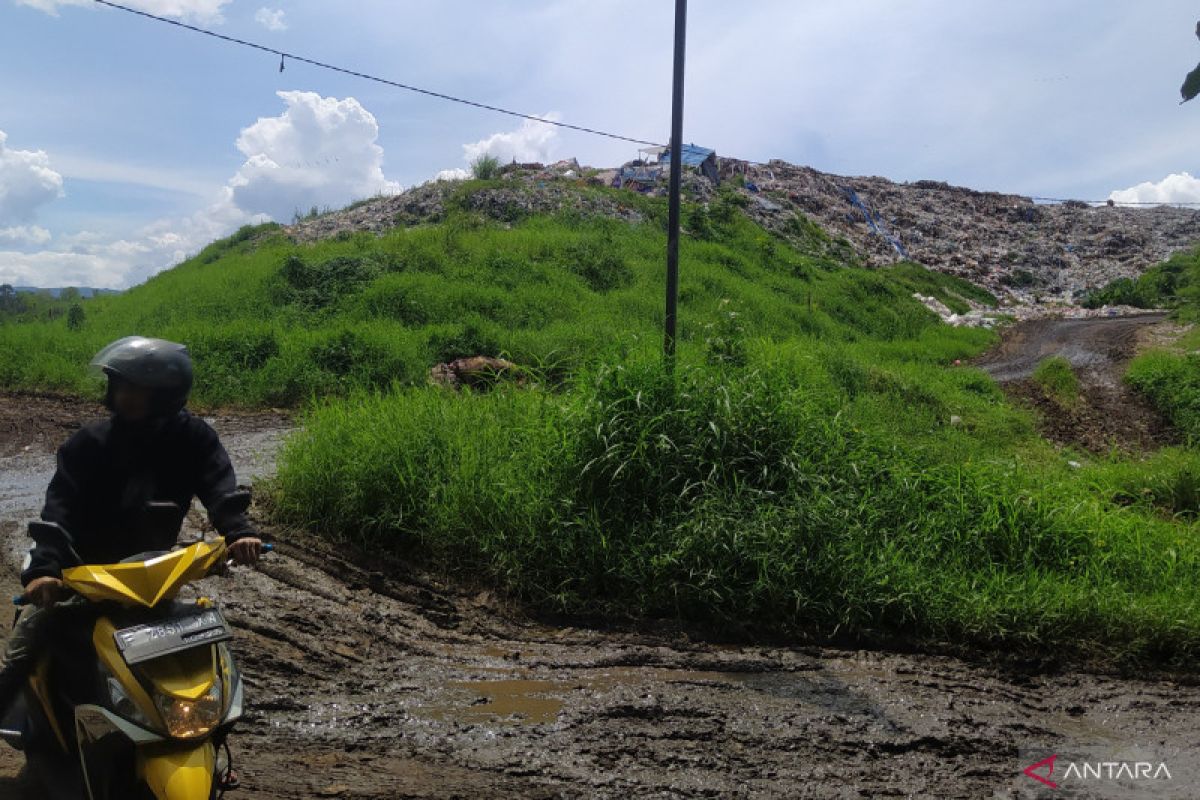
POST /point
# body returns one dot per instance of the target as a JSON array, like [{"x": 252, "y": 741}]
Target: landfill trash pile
[
  {"x": 522, "y": 190},
  {"x": 1039, "y": 258},
  {"x": 1028, "y": 253}
]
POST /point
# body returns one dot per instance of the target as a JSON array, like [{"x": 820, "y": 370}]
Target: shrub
[
  {"x": 599, "y": 265},
  {"x": 473, "y": 338},
  {"x": 1175, "y": 283},
  {"x": 1019, "y": 279},
  {"x": 725, "y": 339},
  {"x": 485, "y": 168},
  {"x": 319, "y": 285}
]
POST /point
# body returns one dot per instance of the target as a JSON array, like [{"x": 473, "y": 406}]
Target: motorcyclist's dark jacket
[{"x": 116, "y": 482}]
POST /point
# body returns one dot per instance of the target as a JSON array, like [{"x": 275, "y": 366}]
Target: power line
[
  {"x": 283, "y": 54},
  {"x": 303, "y": 59},
  {"x": 1119, "y": 202}
]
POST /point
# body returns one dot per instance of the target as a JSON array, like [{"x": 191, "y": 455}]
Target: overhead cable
[
  {"x": 440, "y": 95},
  {"x": 532, "y": 117}
]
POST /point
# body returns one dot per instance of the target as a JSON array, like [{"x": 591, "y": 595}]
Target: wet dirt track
[
  {"x": 367, "y": 682},
  {"x": 1099, "y": 349},
  {"x": 1096, "y": 345}
]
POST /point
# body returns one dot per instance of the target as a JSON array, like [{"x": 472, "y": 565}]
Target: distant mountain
[{"x": 84, "y": 291}]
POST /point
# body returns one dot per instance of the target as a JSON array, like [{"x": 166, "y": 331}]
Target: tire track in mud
[
  {"x": 366, "y": 680},
  {"x": 1099, "y": 350},
  {"x": 1098, "y": 346}
]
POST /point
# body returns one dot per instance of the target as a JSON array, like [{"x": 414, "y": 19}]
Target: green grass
[
  {"x": 1173, "y": 284},
  {"x": 952, "y": 291},
  {"x": 274, "y": 323},
  {"x": 1171, "y": 381},
  {"x": 799, "y": 494},
  {"x": 1169, "y": 377},
  {"x": 1058, "y": 381},
  {"x": 1166, "y": 484},
  {"x": 815, "y": 467}
]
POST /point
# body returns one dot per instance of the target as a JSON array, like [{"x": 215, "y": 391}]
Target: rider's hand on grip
[
  {"x": 247, "y": 550},
  {"x": 44, "y": 591}
]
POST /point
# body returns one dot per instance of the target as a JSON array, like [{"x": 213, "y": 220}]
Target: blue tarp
[
  {"x": 642, "y": 174},
  {"x": 874, "y": 221},
  {"x": 693, "y": 155}
]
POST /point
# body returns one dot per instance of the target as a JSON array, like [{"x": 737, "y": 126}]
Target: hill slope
[
  {"x": 1028, "y": 253},
  {"x": 815, "y": 464},
  {"x": 271, "y": 321}
]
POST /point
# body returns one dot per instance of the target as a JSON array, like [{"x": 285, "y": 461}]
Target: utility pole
[{"x": 676, "y": 177}]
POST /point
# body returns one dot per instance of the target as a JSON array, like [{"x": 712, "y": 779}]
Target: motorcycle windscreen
[
  {"x": 175, "y": 773},
  {"x": 145, "y": 583}
]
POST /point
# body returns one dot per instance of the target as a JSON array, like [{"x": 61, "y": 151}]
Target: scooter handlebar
[{"x": 21, "y": 600}]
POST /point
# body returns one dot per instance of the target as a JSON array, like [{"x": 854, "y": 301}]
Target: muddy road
[
  {"x": 1098, "y": 346},
  {"x": 366, "y": 680},
  {"x": 1099, "y": 350}
]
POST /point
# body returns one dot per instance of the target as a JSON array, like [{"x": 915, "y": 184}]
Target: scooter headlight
[
  {"x": 124, "y": 705},
  {"x": 186, "y": 719}
]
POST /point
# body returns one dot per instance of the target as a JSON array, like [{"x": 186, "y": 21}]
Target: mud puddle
[{"x": 372, "y": 683}]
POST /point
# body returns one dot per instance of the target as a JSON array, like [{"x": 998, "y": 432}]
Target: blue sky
[{"x": 129, "y": 144}]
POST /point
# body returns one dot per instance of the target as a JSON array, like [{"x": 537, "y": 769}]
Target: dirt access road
[
  {"x": 368, "y": 681},
  {"x": 1099, "y": 350},
  {"x": 1096, "y": 346}
]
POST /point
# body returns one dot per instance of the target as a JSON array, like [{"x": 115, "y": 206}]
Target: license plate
[{"x": 145, "y": 642}]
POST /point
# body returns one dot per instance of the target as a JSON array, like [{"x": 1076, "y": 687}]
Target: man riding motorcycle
[{"x": 123, "y": 486}]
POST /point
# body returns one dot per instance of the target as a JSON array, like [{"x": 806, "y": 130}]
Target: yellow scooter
[{"x": 136, "y": 701}]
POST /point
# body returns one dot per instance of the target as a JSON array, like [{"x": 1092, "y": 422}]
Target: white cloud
[
  {"x": 87, "y": 259},
  {"x": 26, "y": 182},
  {"x": 165, "y": 243},
  {"x": 55, "y": 268},
  {"x": 52, "y": 6},
  {"x": 1177, "y": 188},
  {"x": 92, "y": 259},
  {"x": 271, "y": 19},
  {"x": 320, "y": 152},
  {"x": 29, "y": 235},
  {"x": 204, "y": 11},
  {"x": 456, "y": 174},
  {"x": 533, "y": 141}
]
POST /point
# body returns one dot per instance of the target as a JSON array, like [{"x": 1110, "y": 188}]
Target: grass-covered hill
[
  {"x": 816, "y": 464},
  {"x": 271, "y": 322}
]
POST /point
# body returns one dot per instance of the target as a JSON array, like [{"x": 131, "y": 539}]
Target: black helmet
[{"x": 163, "y": 367}]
